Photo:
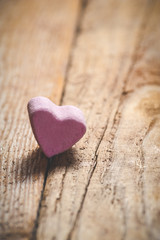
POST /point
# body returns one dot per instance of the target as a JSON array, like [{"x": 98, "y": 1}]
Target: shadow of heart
[{"x": 35, "y": 165}]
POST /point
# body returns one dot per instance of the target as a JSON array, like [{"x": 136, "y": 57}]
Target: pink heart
[{"x": 56, "y": 128}]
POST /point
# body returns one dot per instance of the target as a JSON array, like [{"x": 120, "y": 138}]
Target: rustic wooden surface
[{"x": 108, "y": 185}]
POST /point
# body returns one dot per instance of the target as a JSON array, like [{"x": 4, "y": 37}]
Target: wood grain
[
  {"x": 107, "y": 186},
  {"x": 36, "y": 38}
]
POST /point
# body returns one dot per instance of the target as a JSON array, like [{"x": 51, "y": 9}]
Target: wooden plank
[
  {"x": 36, "y": 38},
  {"x": 107, "y": 186}
]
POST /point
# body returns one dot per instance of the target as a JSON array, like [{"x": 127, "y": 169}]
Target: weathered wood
[
  {"x": 35, "y": 43},
  {"x": 107, "y": 186}
]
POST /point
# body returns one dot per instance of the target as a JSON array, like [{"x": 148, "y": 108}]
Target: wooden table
[{"x": 102, "y": 56}]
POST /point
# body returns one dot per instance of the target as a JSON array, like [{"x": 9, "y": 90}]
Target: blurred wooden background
[{"x": 102, "y": 56}]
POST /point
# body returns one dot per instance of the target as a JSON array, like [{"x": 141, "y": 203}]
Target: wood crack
[
  {"x": 35, "y": 228},
  {"x": 83, "y": 198},
  {"x": 141, "y": 172},
  {"x": 88, "y": 183},
  {"x": 83, "y": 6},
  {"x": 61, "y": 190},
  {"x": 123, "y": 209},
  {"x": 142, "y": 166}
]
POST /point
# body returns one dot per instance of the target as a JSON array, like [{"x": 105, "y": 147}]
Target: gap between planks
[{"x": 77, "y": 31}]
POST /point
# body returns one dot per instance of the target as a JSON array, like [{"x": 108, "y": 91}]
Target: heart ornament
[{"x": 56, "y": 128}]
